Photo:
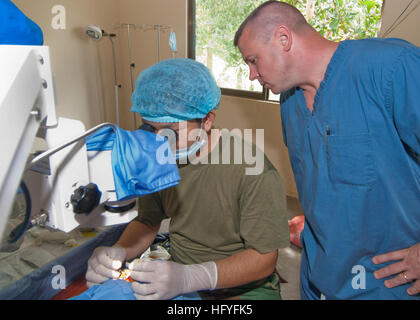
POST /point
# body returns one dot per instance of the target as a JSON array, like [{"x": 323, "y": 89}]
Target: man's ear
[
  {"x": 283, "y": 37},
  {"x": 208, "y": 121}
]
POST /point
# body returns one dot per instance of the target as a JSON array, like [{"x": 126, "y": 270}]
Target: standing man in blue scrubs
[{"x": 351, "y": 120}]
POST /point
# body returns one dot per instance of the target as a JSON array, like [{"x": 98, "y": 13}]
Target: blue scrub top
[{"x": 357, "y": 167}]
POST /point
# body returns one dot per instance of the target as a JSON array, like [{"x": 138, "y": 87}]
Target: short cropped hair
[{"x": 272, "y": 14}]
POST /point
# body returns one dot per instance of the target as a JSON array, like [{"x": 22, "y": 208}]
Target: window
[{"x": 212, "y": 27}]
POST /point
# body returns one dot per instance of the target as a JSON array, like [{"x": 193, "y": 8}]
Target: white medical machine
[{"x": 68, "y": 186}]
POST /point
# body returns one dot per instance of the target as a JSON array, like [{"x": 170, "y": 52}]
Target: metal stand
[
  {"x": 116, "y": 85},
  {"x": 144, "y": 27}
]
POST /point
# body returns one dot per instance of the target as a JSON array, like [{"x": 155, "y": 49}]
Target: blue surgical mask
[
  {"x": 184, "y": 153},
  {"x": 168, "y": 132}
]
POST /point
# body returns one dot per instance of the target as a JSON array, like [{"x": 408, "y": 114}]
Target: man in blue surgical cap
[
  {"x": 351, "y": 121},
  {"x": 226, "y": 225}
]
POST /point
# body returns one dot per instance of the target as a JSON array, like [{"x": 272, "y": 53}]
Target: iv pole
[
  {"x": 145, "y": 27},
  {"x": 132, "y": 64},
  {"x": 116, "y": 85}
]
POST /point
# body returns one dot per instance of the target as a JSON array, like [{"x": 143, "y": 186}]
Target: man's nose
[{"x": 253, "y": 74}]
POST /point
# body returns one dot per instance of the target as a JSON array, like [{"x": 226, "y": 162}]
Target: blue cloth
[
  {"x": 175, "y": 90},
  {"x": 16, "y": 28},
  {"x": 109, "y": 290},
  {"x": 120, "y": 290},
  {"x": 355, "y": 161},
  {"x": 141, "y": 161}
]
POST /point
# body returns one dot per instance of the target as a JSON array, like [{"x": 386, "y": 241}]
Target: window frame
[
  {"x": 263, "y": 95},
  {"x": 257, "y": 95}
]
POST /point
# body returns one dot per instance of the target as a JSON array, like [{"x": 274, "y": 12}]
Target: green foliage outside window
[{"x": 218, "y": 20}]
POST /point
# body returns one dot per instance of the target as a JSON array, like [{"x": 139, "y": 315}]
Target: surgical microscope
[{"x": 66, "y": 186}]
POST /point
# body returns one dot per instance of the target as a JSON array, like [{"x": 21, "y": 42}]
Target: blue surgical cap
[{"x": 175, "y": 90}]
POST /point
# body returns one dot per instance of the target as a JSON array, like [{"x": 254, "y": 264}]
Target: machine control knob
[{"x": 85, "y": 198}]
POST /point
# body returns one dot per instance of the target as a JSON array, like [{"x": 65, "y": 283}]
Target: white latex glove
[
  {"x": 163, "y": 280},
  {"x": 104, "y": 264}
]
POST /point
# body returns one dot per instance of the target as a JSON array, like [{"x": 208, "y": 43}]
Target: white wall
[
  {"x": 408, "y": 29},
  {"x": 82, "y": 68},
  {"x": 144, "y": 44}
]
